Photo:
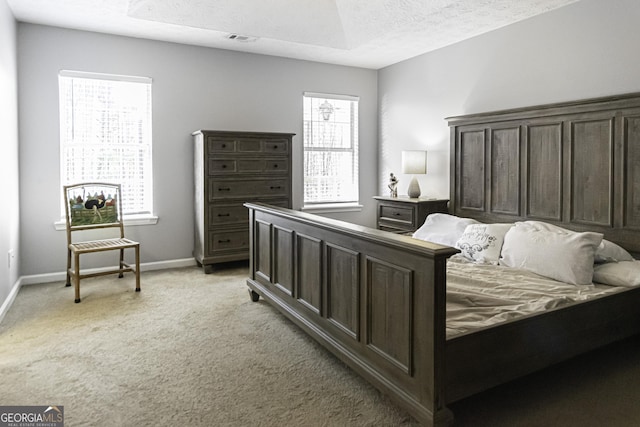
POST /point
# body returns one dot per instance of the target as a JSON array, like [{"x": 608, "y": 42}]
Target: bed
[{"x": 378, "y": 300}]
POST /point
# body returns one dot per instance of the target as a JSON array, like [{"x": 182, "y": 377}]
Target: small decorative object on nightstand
[
  {"x": 393, "y": 185},
  {"x": 404, "y": 214}
]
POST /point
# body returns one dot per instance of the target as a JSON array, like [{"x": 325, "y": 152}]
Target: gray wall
[
  {"x": 587, "y": 49},
  {"x": 9, "y": 207},
  {"x": 583, "y": 50},
  {"x": 193, "y": 88}
]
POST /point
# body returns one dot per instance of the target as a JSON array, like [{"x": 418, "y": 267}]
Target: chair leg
[
  {"x": 68, "y": 267},
  {"x": 121, "y": 275},
  {"x": 77, "y": 276},
  {"x": 137, "y": 268}
]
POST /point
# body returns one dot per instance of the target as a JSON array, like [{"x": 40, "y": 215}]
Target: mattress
[{"x": 481, "y": 295}]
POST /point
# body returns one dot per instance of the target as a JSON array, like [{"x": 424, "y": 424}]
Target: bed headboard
[{"x": 574, "y": 164}]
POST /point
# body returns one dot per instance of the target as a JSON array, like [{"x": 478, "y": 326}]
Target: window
[
  {"x": 105, "y": 134},
  {"x": 330, "y": 149}
]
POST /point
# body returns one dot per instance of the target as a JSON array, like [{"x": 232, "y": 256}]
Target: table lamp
[{"x": 414, "y": 163}]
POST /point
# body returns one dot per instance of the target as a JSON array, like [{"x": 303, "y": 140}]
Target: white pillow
[
  {"x": 557, "y": 253},
  {"x": 607, "y": 251},
  {"x": 482, "y": 243},
  {"x": 443, "y": 229},
  {"x": 539, "y": 225},
  {"x": 623, "y": 273},
  {"x": 610, "y": 252}
]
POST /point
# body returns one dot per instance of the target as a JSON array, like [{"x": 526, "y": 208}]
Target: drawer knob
[
  {"x": 224, "y": 214},
  {"x": 224, "y": 189},
  {"x": 396, "y": 213},
  {"x": 224, "y": 241},
  {"x": 275, "y": 187},
  {"x": 224, "y": 145}
]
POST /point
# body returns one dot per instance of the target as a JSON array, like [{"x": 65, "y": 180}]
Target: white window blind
[
  {"x": 105, "y": 134},
  {"x": 330, "y": 148}
]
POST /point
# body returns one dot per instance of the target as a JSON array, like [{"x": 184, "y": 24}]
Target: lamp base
[{"x": 414, "y": 189}]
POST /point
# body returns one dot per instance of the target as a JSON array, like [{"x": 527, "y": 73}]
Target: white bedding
[{"x": 480, "y": 295}]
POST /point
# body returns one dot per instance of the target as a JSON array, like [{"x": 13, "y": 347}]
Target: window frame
[
  {"x": 141, "y": 218},
  {"x": 334, "y": 205}
]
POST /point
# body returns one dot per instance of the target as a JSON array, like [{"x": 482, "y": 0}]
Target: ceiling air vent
[{"x": 240, "y": 38}]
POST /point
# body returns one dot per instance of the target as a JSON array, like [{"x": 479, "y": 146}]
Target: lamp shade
[{"x": 414, "y": 162}]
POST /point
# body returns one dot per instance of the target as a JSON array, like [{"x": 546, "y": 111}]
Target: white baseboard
[
  {"x": 146, "y": 266},
  {"x": 55, "y": 277},
  {"x": 10, "y": 298}
]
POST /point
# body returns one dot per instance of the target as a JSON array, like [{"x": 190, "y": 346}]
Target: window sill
[
  {"x": 129, "y": 220},
  {"x": 333, "y": 207}
]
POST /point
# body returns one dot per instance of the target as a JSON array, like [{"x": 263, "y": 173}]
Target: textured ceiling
[{"x": 363, "y": 33}]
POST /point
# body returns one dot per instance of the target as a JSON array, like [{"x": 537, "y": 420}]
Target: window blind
[
  {"x": 105, "y": 134},
  {"x": 330, "y": 133}
]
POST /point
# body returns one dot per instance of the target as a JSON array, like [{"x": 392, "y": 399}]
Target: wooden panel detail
[
  {"x": 309, "y": 268},
  {"x": 472, "y": 170},
  {"x": 263, "y": 250},
  {"x": 592, "y": 172},
  {"x": 505, "y": 170},
  {"x": 283, "y": 259},
  {"x": 343, "y": 289},
  {"x": 544, "y": 166},
  {"x": 389, "y": 312},
  {"x": 248, "y": 145},
  {"x": 632, "y": 167}
]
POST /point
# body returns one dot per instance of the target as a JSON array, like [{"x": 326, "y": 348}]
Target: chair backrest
[{"x": 92, "y": 205}]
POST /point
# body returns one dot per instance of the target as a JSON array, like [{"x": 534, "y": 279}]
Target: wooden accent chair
[{"x": 91, "y": 206}]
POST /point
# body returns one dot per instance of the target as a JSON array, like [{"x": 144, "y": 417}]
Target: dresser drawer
[
  {"x": 217, "y": 145},
  {"x": 231, "y": 214},
  {"x": 279, "y": 146},
  {"x": 228, "y": 240},
  {"x": 227, "y": 214},
  {"x": 222, "y": 166},
  {"x": 223, "y": 145},
  {"x": 396, "y": 213},
  {"x": 247, "y": 166},
  {"x": 253, "y": 188},
  {"x": 276, "y": 165}
]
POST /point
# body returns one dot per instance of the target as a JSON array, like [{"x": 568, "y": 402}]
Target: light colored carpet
[
  {"x": 189, "y": 350},
  {"x": 193, "y": 350}
]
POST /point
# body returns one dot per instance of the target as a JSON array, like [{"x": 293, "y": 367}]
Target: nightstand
[{"x": 403, "y": 215}]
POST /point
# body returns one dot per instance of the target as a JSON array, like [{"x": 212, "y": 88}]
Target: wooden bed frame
[{"x": 377, "y": 300}]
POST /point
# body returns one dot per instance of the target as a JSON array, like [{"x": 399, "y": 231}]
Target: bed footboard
[{"x": 375, "y": 299}]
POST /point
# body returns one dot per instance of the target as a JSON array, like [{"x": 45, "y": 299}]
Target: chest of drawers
[{"x": 232, "y": 168}]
